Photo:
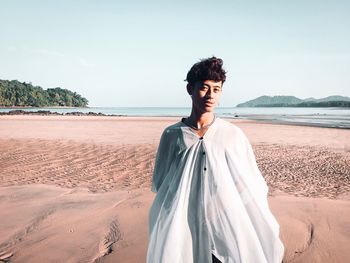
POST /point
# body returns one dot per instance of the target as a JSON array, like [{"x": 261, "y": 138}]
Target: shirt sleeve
[
  {"x": 253, "y": 168},
  {"x": 245, "y": 171},
  {"x": 162, "y": 160}
]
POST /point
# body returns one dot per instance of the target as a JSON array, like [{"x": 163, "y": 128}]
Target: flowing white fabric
[{"x": 211, "y": 199}]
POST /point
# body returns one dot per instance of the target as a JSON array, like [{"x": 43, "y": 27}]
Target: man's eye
[{"x": 216, "y": 90}]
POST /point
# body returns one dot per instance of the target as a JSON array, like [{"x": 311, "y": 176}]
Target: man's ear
[{"x": 189, "y": 89}]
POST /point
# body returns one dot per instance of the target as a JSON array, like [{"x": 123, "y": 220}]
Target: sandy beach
[{"x": 77, "y": 188}]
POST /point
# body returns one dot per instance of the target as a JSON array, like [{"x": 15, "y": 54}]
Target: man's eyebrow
[{"x": 215, "y": 86}]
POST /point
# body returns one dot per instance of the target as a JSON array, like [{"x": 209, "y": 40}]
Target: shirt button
[
  {"x": 203, "y": 153},
  {"x": 201, "y": 138},
  {"x": 205, "y": 168}
]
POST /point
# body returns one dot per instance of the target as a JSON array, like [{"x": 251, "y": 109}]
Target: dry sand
[{"x": 77, "y": 189}]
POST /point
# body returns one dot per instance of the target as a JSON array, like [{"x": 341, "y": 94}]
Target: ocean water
[
  {"x": 326, "y": 117},
  {"x": 184, "y": 111}
]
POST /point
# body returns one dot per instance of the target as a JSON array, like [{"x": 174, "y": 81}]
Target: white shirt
[{"x": 211, "y": 198}]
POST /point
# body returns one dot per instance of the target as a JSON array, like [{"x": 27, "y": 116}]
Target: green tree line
[{"x": 15, "y": 93}]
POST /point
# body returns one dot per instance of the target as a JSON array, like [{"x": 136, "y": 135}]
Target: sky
[{"x": 137, "y": 53}]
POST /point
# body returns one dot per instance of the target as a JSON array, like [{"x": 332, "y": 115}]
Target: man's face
[{"x": 205, "y": 95}]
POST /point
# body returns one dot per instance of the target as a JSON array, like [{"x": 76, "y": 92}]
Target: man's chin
[
  {"x": 206, "y": 109},
  {"x": 209, "y": 109}
]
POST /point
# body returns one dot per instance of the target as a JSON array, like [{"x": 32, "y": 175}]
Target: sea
[{"x": 324, "y": 117}]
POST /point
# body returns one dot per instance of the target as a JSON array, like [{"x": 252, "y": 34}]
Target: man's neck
[{"x": 201, "y": 119}]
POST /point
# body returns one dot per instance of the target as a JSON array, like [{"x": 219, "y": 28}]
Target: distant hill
[
  {"x": 292, "y": 101},
  {"x": 15, "y": 93},
  {"x": 268, "y": 100},
  {"x": 329, "y": 98}
]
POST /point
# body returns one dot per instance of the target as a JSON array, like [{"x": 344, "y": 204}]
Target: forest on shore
[
  {"x": 21, "y": 94},
  {"x": 292, "y": 101}
]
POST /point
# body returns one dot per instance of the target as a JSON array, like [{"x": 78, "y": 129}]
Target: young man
[{"x": 211, "y": 203}]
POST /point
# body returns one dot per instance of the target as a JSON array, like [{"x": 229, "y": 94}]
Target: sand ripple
[
  {"x": 100, "y": 168},
  {"x": 304, "y": 171},
  {"x": 298, "y": 170}
]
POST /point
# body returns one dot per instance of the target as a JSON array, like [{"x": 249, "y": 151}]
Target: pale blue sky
[{"x": 137, "y": 53}]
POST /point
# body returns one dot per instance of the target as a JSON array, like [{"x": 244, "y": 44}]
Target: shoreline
[
  {"x": 296, "y": 123},
  {"x": 312, "y": 120},
  {"x": 101, "y": 129}
]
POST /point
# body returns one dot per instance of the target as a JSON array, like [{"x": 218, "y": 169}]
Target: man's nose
[{"x": 209, "y": 93}]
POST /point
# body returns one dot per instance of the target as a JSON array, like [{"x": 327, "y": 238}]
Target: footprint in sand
[{"x": 300, "y": 236}]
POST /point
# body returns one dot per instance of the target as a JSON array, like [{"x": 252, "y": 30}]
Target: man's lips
[{"x": 209, "y": 103}]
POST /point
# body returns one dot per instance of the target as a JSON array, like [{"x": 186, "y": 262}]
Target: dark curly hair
[{"x": 206, "y": 69}]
